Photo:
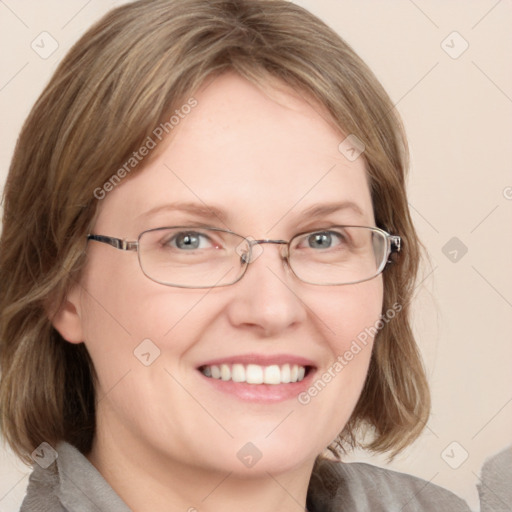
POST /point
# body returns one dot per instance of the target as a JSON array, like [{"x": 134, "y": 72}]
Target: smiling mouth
[{"x": 256, "y": 374}]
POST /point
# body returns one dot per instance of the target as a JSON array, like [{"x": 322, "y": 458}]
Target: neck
[{"x": 147, "y": 480}]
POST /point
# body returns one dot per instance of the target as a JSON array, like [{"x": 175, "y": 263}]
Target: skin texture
[{"x": 166, "y": 438}]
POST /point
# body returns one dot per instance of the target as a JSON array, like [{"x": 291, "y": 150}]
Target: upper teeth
[{"x": 256, "y": 374}]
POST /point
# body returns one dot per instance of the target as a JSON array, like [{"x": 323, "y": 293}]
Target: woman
[{"x": 208, "y": 260}]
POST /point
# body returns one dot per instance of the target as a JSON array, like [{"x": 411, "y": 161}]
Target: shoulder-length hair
[{"x": 119, "y": 82}]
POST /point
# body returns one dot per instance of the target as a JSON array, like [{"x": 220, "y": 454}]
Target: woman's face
[{"x": 264, "y": 169}]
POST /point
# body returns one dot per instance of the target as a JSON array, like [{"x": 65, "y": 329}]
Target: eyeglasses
[{"x": 206, "y": 257}]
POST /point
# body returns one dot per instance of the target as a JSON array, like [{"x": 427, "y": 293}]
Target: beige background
[{"x": 458, "y": 115}]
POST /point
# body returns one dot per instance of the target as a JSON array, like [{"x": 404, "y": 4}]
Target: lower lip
[{"x": 261, "y": 393}]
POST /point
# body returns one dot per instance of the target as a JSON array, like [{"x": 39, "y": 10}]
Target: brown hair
[{"x": 120, "y": 81}]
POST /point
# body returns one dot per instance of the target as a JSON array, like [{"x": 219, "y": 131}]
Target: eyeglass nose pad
[{"x": 249, "y": 250}]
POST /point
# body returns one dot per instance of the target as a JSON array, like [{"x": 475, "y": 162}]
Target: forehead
[{"x": 257, "y": 155}]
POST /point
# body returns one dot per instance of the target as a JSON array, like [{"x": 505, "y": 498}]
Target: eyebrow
[
  {"x": 198, "y": 209},
  {"x": 319, "y": 210},
  {"x": 208, "y": 212}
]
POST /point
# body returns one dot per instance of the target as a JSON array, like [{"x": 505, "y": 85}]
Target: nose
[{"x": 266, "y": 299}]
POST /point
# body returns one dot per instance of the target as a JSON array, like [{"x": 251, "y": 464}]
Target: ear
[{"x": 66, "y": 317}]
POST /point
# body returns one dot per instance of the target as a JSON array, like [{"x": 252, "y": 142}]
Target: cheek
[
  {"x": 125, "y": 315},
  {"x": 350, "y": 313},
  {"x": 349, "y": 316}
]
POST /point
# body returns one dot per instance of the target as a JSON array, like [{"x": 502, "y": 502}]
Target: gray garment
[
  {"x": 72, "y": 484},
  {"x": 495, "y": 487},
  {"x": 358, "y": 487}
]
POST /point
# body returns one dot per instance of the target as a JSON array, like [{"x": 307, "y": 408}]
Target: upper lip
[{"x": 260, "y": 359}]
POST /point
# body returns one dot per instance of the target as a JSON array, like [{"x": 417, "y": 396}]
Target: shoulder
[
  {"x": 41, "y": 492},
  {"x": 494, "y": 487},
  {"x": 70, "y": 482},
  {"x": 362, "y": 487}
]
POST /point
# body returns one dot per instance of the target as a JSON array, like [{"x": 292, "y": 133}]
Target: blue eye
[
  {"x": 190, "y": 241},
  {"x": 323, "y": 240}
]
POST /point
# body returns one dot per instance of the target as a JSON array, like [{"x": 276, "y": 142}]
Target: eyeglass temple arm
[{"x": 123, "y": 245}]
